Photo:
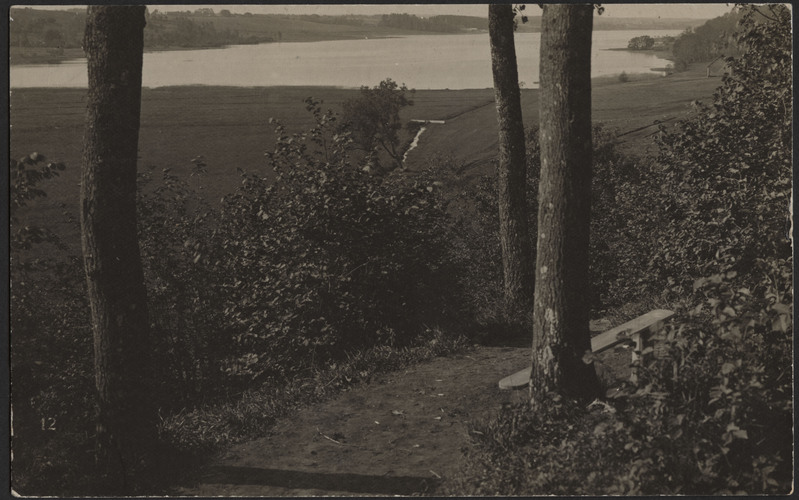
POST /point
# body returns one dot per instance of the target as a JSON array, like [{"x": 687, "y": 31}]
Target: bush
[
  {"x": 186, "y": 321},
  {"x": 292, "y": 274},
  {"x": 714, "y": 402},
  {"x": 51, "y": 346},
  {"x": 723, "y": 176},
  {"x": 710, "y": 415}
]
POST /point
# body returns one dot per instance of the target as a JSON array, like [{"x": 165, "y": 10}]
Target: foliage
[
  {"x": 52, "y": 386},
  {"x": 39, "y": 28},
  {"x": 373, "y": 118},
  {"x": 643, "y": 42},
  {"x": 712, "y": 39},
  {"x": 292, "y": 272},
  {"x": 716, "y": 196},
  {"x": 326, "y": 258},
  {"x": 64, "y": 29},
  {"x": 26, "y": 174},
  {"x": 327, "y": 272},
  {"x": 710, "y": 416},
  {"x": 185, "y": 318},
  {"x": 714, "y": 402},
  {"x": 724, "y": 174}
]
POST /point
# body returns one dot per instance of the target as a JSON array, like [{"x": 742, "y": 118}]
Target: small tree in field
[{"x": 373, "y": 117}]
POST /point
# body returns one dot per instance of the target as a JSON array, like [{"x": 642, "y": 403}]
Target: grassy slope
[
  {"x": 472, "y": 139},
  {"x": 230, "y": 127}
]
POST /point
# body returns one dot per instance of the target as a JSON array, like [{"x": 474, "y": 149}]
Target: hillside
[
  {"x": 48, "y": 33},
  {"x": 48, "y": 36},
  {"x": 604, "y": 23}
]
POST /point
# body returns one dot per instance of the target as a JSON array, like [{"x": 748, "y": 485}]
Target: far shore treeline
[{"x": 37, "y": 36}]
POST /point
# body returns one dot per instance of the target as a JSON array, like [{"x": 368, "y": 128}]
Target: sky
[{"x": 689, "y": 10}]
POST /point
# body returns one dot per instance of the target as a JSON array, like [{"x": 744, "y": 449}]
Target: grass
[
  {"x": 230, "y": 127},
  {"x": 251, "y": 414},
  {"x": 471, "y": 138}
]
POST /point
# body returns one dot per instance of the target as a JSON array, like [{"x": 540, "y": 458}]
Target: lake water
[{"x": 421, "y": 62}]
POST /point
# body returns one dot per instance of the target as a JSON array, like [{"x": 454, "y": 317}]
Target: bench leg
[{"x": 638, "y": 347}]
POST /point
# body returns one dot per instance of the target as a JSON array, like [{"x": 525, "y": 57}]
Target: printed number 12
[{"x": 48, "y": 424}]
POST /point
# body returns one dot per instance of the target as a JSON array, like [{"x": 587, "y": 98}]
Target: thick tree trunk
[
  {"x": 562, "y": 300},
  {"x": 512, "y": 170},
  {"x": 114, "y": 46}
]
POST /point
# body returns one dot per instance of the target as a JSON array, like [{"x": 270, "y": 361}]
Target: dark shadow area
[
  {"x": 503, "y": 335},
  {"x": 354, "y": 483}
]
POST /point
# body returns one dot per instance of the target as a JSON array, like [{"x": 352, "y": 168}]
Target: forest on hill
[
  {"x": 56, "y": 29},
  {"x": 204, "y": 27}
]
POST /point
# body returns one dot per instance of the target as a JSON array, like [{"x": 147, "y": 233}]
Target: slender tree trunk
[
  {"x": 562, "y": 300},
  {"x": 512, "y": 169},
  {"x": 114, "y": 45}
]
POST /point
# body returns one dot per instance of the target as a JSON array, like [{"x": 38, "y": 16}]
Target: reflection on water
[{"x": 421, "y": 62}]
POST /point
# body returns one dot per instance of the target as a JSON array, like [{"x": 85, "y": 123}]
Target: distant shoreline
[
  {"x": 23, "y": 56},
  {"x": 664, "y": 54}
]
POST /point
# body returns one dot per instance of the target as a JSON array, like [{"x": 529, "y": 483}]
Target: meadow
[{"x": 230, "y": 128}]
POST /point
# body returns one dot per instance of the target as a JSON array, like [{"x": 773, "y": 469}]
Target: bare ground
[
  {"x": 402, "y": 435},
  {"x": 397, "y": 436}
]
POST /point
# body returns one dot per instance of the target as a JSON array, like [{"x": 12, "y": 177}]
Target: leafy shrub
[
  {"x": 292, "y": 273},
  {"x": 51, "y": 345},
  {"x": 186, "y": 321},
  {"x": 713, "y": 407},
  {"x": 711, "y": 414},
  {"x": 724, "y": 174},
  {"x": 707, "y": 41},
  {"x": 714, "y": 411},
  {"x": 643, "y": 42}
]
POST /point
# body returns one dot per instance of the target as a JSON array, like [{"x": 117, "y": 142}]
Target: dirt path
[{"x": 398, "y": 436}]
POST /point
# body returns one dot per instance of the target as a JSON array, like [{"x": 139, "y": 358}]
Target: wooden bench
[{"x": 633, "y": 332}]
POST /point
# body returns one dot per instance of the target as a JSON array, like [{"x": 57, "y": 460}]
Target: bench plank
[
  {"x": 627, "y": 332},
  {"x": 518, "y": 380},
  {"x": 648, "y": 323}
]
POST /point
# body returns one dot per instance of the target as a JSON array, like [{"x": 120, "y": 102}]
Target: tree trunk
[
  {"x": 562, "y": 300},
  {"x": 114, "y": 44},
  {"x": 512, "y": 169}
]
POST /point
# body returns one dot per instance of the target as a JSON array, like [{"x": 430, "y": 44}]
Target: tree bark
[
  {"x": 517, "y": 256},
  {"x": 114, "y": 45},
  {"x": 562, "y": 301}
]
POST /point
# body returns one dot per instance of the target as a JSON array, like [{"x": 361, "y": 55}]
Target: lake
[{"x": 419, "y": 61}]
